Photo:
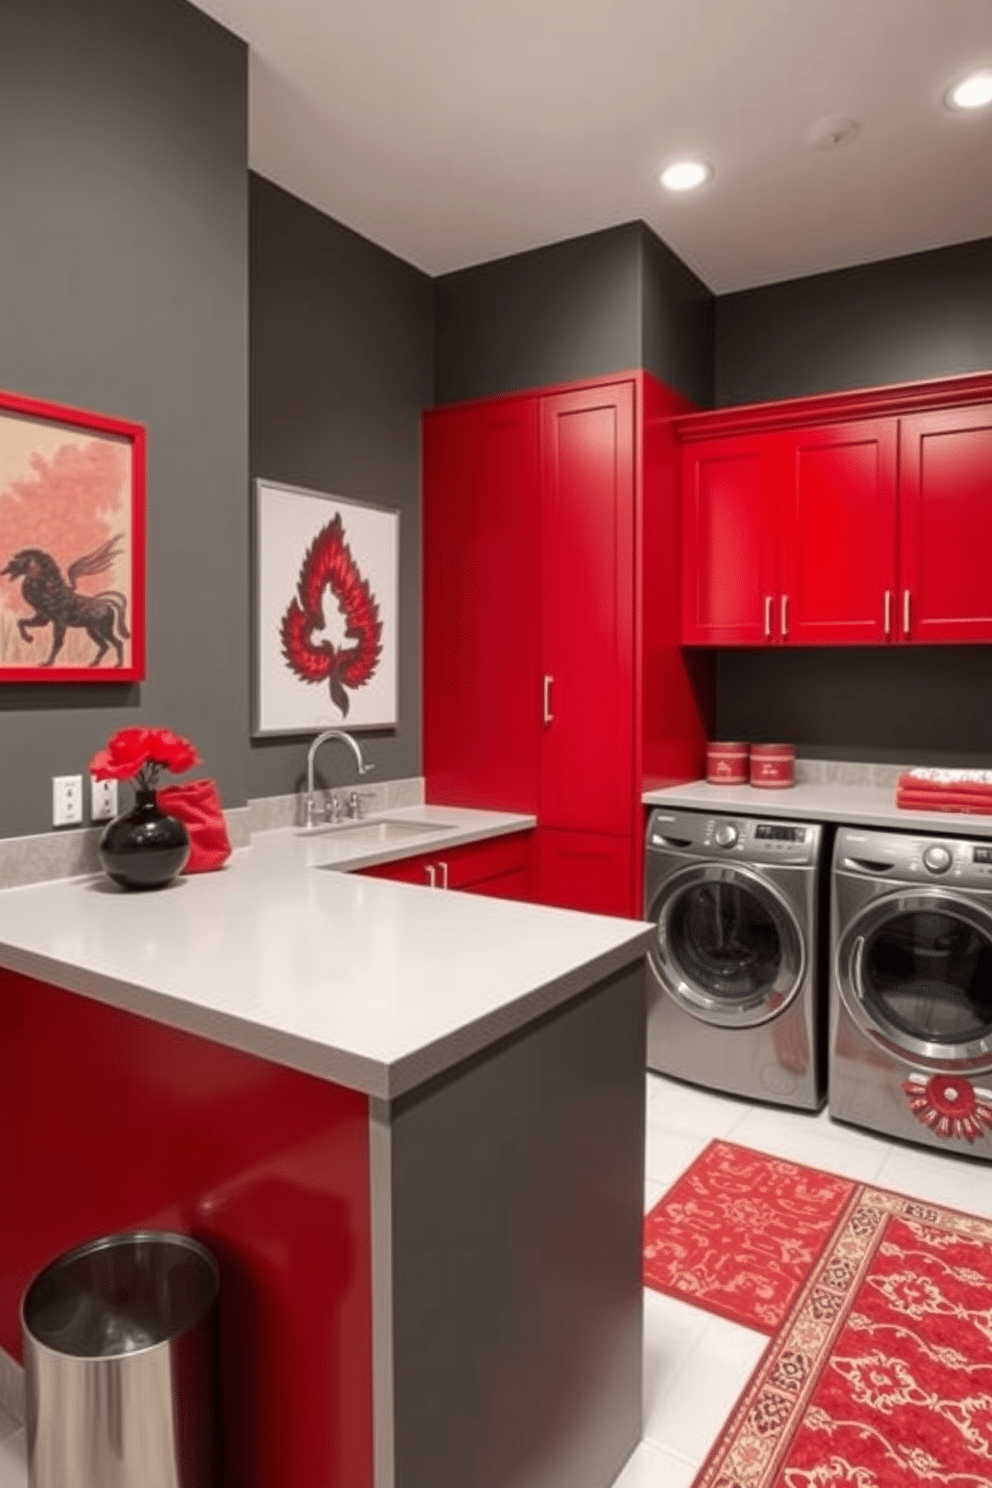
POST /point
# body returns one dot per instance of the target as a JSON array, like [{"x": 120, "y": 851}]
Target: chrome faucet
[{"x": 331, "y": 733}]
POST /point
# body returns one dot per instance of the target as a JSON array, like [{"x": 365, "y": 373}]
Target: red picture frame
[{"x": 72, "y": 544}]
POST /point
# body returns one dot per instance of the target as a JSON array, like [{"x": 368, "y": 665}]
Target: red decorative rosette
[
  {"x": 950, "y": 1106},
  {"x": 142, "y": 754},
  {"x": 328, "y": 564}
]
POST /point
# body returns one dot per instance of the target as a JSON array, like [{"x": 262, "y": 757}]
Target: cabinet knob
[
  {"x": 768, "y": 617},
  {"x": 785, "y": 614},
  {"x": 905, "y": 611},
  {"x": 549, "y": 717},
  {"x": 888, "y": 612}
]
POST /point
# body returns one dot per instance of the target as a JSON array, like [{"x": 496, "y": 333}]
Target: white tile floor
[{"x": 695, "y": 1365}]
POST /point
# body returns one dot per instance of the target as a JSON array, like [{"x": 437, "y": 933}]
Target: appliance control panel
[
  {"x": 908, "y": 858},
  {"x": 701, "y": 835}
]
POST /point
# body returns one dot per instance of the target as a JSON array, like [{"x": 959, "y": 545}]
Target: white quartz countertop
[
  {"x": 821, "y": 801},
  {"x": 373, "y": 984}
]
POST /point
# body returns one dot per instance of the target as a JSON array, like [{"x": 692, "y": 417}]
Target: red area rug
[
  {"x": 740, "y": 1232},
  {"x": 881, "y": 1375}
]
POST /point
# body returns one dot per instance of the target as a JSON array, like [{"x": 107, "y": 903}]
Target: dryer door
[
  {"x": 915, "y": 973},
  {"x": 728, "y": 946}
]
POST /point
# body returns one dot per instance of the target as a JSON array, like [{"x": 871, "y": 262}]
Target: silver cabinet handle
[
  {"x": 768, "y": 617},
  {"x": 905, "y": 611},
  {"x": 888, "y": 612},
  {"x": 785, "y": 614},
  {"x": 549, "y": 717},
  {"x": 444, "y": 874},
  {"x": 431, "y": 872}
]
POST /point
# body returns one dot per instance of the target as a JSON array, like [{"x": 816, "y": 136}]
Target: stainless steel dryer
[
  {"x": 911, "y": 987},
  {"x": 735, "y": 1003}
]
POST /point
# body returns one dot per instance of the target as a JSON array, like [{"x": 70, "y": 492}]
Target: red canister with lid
[
  {"x": 726, "y": 764},
  {"x": 773, "y": 766}
]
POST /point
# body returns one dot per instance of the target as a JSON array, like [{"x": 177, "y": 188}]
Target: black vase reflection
[{"x": 144, "y": 848}]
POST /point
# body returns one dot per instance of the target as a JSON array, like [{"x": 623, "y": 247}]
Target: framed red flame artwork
[
  {"x": 72, "y": 487},
  {"x": 326, "y": 611}
]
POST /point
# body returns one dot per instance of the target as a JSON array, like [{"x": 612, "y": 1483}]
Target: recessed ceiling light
[
  {"x": 685, "y": 175},
  {"x": 972, "y": 92}
]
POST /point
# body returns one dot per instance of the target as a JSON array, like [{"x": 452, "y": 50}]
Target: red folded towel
[
  {"x": 916, "y": 800},
  {"x": 947, "y": 782},
  {"x": 197, "y": 805}
]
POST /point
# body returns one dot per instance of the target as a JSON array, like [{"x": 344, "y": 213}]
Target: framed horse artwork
[{"x": 72, "y": 487}]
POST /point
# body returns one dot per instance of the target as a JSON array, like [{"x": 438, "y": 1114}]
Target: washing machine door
[
  {"x": 728, "y": 947},
  {"x": 914, "y": 970}
]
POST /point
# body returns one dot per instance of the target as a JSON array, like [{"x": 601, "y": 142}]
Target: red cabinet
[
  {"x": 730, "y": 524},
  {"x": 946, "y": 525},
  {"x": 806, "y": 525},
  {"x": 538, "y": 655},
  {"x": 501, "y": 867}
]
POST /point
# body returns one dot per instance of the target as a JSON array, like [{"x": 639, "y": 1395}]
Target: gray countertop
[
  {"x": 867, "y": 805},
  {"x": 373, "y": 984}
]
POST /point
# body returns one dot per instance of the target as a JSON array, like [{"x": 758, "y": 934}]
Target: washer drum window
[{"x": 728, "y": 947}]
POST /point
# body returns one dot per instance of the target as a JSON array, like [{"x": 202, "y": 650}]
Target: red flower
[{"x": 142, "y": 754}]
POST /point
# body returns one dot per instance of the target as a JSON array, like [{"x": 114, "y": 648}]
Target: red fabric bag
[{"x": 197, "y": 805}]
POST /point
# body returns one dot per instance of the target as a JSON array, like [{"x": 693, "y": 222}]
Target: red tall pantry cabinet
[{"x": 553, "y": 678}]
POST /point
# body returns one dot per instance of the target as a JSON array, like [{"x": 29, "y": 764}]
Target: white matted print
[{"x": 326, "y": 612}]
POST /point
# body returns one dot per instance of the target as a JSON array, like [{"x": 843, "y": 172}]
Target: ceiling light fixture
[
  {"x": 685, "y": 175},
  {"x": 972, "y": 92}
]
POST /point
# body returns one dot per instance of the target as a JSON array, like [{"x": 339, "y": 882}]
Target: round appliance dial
[
  {"x": 725, "y": 834},
  {"x": 936, "y": 859}
]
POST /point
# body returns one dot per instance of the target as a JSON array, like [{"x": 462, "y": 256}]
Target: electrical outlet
[
  {"x": 67, "y": 800},
  {"x": 103, "y": 799}
]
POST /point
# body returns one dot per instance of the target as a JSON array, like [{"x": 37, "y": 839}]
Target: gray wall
[
  {"x": 607, "y": 302},
  {"x": 341, "y": 367},
  {"x": 925, "y": 315},
  {"x": 922, "y": 316},
  {"x": 123, "y": 288}
]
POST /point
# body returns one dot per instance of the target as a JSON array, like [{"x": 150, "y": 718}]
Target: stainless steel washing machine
[
  {"x": 911, "y": 987},
  {"x": 735, "y": 1003}
]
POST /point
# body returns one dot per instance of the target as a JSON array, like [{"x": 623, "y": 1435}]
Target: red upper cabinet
[
  {"x": 850, "y": 519},
  {"x": 838, "y": 534},
  {"x": 729, "y": 540},
  {"x": 587, "y": 609},
  {"x": 946, "y": 525}
]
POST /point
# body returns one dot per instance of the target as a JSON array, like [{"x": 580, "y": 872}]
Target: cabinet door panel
[
  {"x": 839, "y": 534},
  {"x": 945, "y": 461},
  {"x": 729, "y": 534},
  {"x": 401, "y": 870},
  {"x": 587, "y": 475},
  {"x": 481, "y": 608},
  {"x": 582, "y": 870}
]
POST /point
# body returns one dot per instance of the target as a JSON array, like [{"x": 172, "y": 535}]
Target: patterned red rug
[
  {"x": 740, "y": 1232},
  {"x": 881, "y": 1376}
]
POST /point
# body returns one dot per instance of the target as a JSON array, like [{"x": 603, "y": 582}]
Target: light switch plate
[{"x": 67, "y": 800}]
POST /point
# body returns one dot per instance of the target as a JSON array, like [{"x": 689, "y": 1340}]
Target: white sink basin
[{"x": 382, "y": 830}]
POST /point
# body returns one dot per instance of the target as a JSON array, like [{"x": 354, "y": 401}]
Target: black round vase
[{"x": 144, "y": 848}]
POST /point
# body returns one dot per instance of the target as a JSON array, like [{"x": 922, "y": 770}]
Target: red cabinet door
[
  {"x": 838, "y": 534},
  {"x": 481, "y": 606},
  {"x": 945, "y": 516},
  {"x": 500, "y": 867},
  {"x": 585, "y": 695},
  {"x": 586, "y": 870},
  {"x": 730, "y": 541}
]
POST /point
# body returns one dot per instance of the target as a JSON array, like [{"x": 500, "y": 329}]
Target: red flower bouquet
[{"x": 141, "y": 754}]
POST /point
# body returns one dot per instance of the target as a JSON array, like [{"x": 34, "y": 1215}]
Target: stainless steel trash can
[{"x": 120, "y": 1356}]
